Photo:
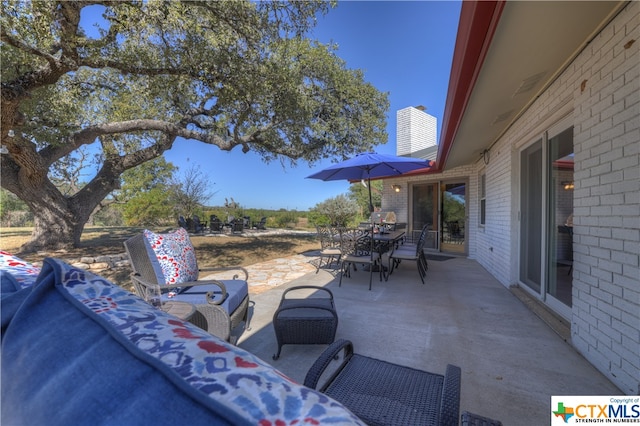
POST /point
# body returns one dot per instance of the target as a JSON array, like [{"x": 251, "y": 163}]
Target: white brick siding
[
  {"x": 416, "y": 130},
  {"x": 605, "y": 312},
  {"x": 605, "y": 321}
]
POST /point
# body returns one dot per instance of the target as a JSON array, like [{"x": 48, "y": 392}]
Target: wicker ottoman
[{"x": 309, "y": 321}]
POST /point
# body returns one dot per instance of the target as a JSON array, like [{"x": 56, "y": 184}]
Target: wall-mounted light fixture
[
  {"x": 485, "y": 156},
  {"x": 567, "y": 185},
  {"x": 396, "y": 188}
]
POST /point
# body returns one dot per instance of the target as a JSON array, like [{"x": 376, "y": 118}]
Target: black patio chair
[
  {"x": 305, "y": 319},
  {"x": 411, "y": 252},
  {"x": 198, "y": 226},
  {"x": 329, "y": 245},
  {"x": 357, "y": 247},
  {"x": 261, "y": 224},
  {"x": 237, "y": 226},
  {"x": 215, "y": 224},
  {"x": 383, "y": 393},
  {"x": 183, "y": 223}
]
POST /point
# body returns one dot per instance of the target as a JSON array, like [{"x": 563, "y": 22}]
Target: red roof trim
[{"x": 477, "y": 25}]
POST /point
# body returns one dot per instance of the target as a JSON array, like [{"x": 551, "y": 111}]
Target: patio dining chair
[
  {"x": 329, "y": 245},
  {"x": 357, "y": 247},
  {"x": 166, "y": 263},
  {"x": 411, "y": 253}
]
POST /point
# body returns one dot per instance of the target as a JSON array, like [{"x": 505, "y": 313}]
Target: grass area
[{"x": 211, "y": 250}]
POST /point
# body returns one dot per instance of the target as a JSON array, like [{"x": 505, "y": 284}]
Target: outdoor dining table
[
  {"x": 382, "y": 243},
  {"x": 385, "y": 240},
  {"x": 388, "y": 236}
]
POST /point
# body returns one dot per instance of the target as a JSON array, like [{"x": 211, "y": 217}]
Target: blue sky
[{"x": 404, "y": 48}]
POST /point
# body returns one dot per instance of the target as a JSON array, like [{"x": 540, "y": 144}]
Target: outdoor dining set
[{"x": 381, "y": 247}]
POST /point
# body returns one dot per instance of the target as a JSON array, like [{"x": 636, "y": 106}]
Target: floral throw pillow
[{"x": 172, "y": 255}]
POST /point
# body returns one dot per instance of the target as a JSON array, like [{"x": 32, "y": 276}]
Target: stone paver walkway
[{"x": 266, "y": 275}]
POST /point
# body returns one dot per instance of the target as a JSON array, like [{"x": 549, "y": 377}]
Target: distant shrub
[{"x": 338, "y": 211}]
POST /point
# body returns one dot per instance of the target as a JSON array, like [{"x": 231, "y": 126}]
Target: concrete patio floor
[{"x": 512, "y": 362}]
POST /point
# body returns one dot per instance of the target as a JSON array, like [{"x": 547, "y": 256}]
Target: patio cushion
[
  {"x": 77, "y": 349},
  {"x": 172, "y": 256}
]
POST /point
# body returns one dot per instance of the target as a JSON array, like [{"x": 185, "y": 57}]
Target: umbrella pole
[
  {"x": 370, "y": 201},
  {"x": 371, "y": 228}
]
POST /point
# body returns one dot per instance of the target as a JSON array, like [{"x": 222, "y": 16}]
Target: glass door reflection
[
  {"x": 560, "y": 217},
  {"x": 454, "y": 217}
]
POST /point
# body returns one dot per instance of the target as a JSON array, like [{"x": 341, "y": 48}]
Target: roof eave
[{"x": 476, "y": 28}]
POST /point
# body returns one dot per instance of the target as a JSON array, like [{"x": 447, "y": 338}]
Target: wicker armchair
[
  {"x": 213, "y": 299},
  {"x": 382, "y": 393}
]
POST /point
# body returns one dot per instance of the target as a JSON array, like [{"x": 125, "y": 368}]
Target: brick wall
[
  {"x": 606, "y": 294},
  {"x": 605, "y": 316},
  {"x": 606, "y": 118}
]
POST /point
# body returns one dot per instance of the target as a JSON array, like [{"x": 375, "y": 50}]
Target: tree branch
[{"x": 18, "y": 44}]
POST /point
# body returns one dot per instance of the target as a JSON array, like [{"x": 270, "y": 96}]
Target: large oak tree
[{"x": 234, "y": 74}]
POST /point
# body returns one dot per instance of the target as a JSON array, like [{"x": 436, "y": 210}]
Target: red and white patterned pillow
[{"x": 173, "y": 256}]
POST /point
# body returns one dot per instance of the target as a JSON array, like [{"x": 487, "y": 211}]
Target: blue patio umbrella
[{"x": 371, "y": 165}]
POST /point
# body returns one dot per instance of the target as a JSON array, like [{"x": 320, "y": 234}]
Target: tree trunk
[
  {"x": 58, "y": 220},
  {"x": 53, "y": 231}
]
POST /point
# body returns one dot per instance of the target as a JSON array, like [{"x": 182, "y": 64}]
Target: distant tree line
[{"x": 154, "y": 196}]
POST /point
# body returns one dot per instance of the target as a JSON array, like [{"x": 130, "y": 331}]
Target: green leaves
[{"x": 244, "y": 65}]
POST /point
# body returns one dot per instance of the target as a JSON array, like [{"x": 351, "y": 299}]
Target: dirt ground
[{"x": 211, "y": 250}]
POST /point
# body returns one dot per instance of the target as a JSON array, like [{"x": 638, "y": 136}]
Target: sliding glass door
[
  {"x": 442, "y": 208},
  {"x": 546, "y": 217},
  {"x": 454, "y": 217},
  {"x": 531, "y": 216},
  {"x": 424, "y": 211},
  {"x": 560, "y": 216}
]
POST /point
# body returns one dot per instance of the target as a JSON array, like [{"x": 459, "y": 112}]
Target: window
[{"x": 483, "y": 200}]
